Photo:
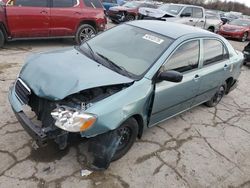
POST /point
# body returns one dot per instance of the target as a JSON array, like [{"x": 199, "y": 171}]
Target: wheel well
[
  {"x": 229, "y": 82},
  {"x": 2, "y": 27},
  {"x": 139, "y": 120},
  {"x": 92, "y": 23}
]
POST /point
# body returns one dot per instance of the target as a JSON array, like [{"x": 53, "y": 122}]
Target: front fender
[{"x": 114, "y": 110}]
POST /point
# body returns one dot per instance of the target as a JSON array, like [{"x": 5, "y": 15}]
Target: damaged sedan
[{"x": 111, "y": 92}]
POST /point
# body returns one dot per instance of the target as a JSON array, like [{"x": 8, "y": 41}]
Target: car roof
[
  {"x": 169, "y": 29},
  {"x": 186, "y": 5}
]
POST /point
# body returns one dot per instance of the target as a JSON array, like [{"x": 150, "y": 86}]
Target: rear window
[
  {"x": 214, "y": 51},
  {"x": 65, "y": 3},
  {"x": 93, "y": 3},
  {"x": 28, "y": 3}
]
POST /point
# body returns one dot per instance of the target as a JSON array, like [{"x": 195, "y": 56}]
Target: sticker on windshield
[{"x": 154, "y": 39}]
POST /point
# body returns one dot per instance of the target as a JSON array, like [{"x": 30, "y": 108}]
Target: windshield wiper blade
[
  {"x": 120, "y": 68},
  {"x": 91, "y": 51}
]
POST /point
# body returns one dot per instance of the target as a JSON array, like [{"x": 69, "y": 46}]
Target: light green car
[{"x": 121, "y": 82}]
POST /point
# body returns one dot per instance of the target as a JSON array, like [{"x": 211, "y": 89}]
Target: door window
[
  {"x": 197, "y": 13},
  {"x": 93, "y": 3},
  {"x": 214, "y": 51},
  {"x": 28, "y": 3},
  {"x": 187, "y": 12},
  {"x": 64, "y": 3},
  {"x": 185, "y": 58}
]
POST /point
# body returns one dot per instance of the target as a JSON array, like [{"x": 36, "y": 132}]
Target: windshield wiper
[
  {"x": 119, "y": 68},
  {"x": 91, "y": 51}
]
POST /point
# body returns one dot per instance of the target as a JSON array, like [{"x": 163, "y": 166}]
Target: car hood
[
  {"x": 55, "y": 75},
  {"x": 228, "y": 26},
  {"x": 121, "y": 8},
  {"x": 156, "y": 13}
]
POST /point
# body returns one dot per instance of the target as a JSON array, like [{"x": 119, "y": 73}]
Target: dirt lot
[{"x": 204, "y": 147}]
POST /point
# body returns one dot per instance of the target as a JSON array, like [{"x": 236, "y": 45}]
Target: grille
[{"x": 22, "y": 91}]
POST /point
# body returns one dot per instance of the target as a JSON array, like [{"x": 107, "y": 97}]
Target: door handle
[
  {"x": 191, "y": 20},
  {"x": 196, "y": 77},
  {"x": 226, "y": 67},
  {"x": 202, "y": 21},
  {"x": 44, "y": 12},
  {"x": 77, "y": 13}
]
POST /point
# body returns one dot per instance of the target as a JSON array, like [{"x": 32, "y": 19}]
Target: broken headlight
[{"x": 72, "y": 120}]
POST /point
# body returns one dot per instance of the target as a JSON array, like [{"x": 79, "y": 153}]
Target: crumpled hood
[
  {"x": 156, "y": 13},
  {"x": 55, "y": 75},
  {"x": 121, "y": 8}
]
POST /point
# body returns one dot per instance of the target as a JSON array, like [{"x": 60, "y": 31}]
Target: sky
[{"x": 246, "y": 2}]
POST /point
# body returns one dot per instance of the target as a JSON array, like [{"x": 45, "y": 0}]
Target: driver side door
[{"x": 173, "y": 98}]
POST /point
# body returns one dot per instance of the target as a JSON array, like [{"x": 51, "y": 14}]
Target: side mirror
[
  {"x": 186, "y": 14},
  {"x": 171, "y": 76}
]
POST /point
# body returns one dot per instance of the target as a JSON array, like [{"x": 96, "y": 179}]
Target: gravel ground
[{"x": 203, "y": 147}]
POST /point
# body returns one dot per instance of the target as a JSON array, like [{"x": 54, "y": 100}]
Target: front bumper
[
  {"x": 116, "y": 16},
  {"x": 246, "y": 56}
]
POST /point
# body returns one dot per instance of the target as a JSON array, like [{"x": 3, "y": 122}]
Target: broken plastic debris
[
  {"x": 34, "y": 145},
  {"x": 86, "y": 172}
]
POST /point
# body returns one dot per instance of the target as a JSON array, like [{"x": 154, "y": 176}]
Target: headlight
[{"x": 72, "y": 120}]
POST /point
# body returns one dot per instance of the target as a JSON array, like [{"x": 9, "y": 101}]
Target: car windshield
[
  {"x": 132, "y": 4},
  {"x": 172, "y": 9},
  {"x": 129, "y": 48},
  {"x": 239, "y": 22}
]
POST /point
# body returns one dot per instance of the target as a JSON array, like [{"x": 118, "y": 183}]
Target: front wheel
[
  {"x": 129, "y": 17},
  {"x": 84, "y": 33},
  {"x": 217, "y": 96},
  {"x": 127, "y": 132}
]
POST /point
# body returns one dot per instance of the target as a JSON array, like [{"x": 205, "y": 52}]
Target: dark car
[
  {"x": 128, "y": 11},
  {"x": 246, "y": 53},
  {"x": 39, "y": 19},
  {"x": 237, "y": 29}
]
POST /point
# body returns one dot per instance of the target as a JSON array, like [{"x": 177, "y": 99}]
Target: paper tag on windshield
[{"x": 154, "y": 39}]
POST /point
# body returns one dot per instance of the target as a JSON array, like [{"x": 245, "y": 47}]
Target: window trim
[
  {"x": 184, "y": 42},
  {"x": 203, "y": 53}
]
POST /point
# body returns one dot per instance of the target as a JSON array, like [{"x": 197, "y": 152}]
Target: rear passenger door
[
  {"x": 28, "y": 18},
  {"x": 65, "y": 16},
  {"x": 173, "y": 98},
  {"x": 216, "y": 67}
]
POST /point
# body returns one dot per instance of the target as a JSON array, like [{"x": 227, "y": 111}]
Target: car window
[
  {"x": 197, "y": 13},
  {"x": 150, "y": 6},
  {"x": 93, "y": 3},
  {"x": 28, "y": 3},
  {"x": 187, "y": 11},
  {"x": 185, "y": 58},
  {"x": 64, "y": 3},
  {"x": 214, "y": 51}
]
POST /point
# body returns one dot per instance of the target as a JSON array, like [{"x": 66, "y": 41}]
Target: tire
[
  {"x": 211, "y": 29},
  {"x": 84, "y": 33},
  {"x": 2, "y": 39},
  {"x": 217, "y": 96},
  {"x": 129, "y": 17},
  {"x": 245, "y": 37},
  {"x": 128, "y": 132}
]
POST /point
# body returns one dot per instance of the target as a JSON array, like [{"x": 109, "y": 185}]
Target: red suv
[{"x": 38, "y": 19}]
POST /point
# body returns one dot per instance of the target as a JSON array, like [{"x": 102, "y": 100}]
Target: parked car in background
[
  {"x": 238, "y": 29},
  {"x": 39, "y": 19},
  {"x": 214, "y": 22},
  {"x": 128, "y": 11},
  {"x": 111, "y": 3},
  {"x": 116, "y": 90},
  {"x": 246, "y": 53},
  {"x": 179, "y": 13},
  {"x": 229, "y": 16}
]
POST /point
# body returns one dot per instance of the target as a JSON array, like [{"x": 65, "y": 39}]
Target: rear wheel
[
  {"x": 84, "y": 33},
  {"x": 128, "y": 132},
  {"x": 245, "y": 37},
  {"x": 2, "y": 39},
  {"x": 211, "y": 29},
  {"x": 217, "y": 96}
]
